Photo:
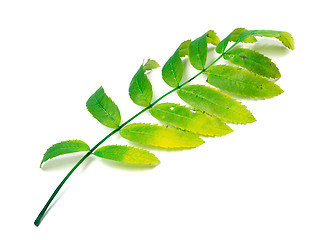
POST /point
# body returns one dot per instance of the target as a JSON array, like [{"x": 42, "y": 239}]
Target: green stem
[{"x": 46, "y": 206}]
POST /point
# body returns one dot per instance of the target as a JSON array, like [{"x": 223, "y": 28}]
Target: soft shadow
[
  {"x": 126, "y": 166},
  {"x": 270, "y": 47},
  {"x": 62, "y": 162}
]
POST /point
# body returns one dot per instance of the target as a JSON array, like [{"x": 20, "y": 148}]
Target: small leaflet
[
  {"x": 198, "y": 52},
  {"x": 242, "y": 82},
  {"x": 184, "y": 48},
  {"x": 212, "y": 38},
  {"x": 127, "y": 154},
  {"x": 216, "y": 103},
  {"x": 64, "y": 147},
  {"x": 140, "y": 88},
  {"x": 172, "y": 71},
  {"x": 150, "y": 65},
  {"x": 103, "y": 109},
  {"x": 254, "y": 62},
  {"x": 160, "y": 136},
  {"x": 191, "y": 120}
]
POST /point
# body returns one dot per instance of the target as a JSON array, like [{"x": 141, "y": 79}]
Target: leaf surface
[
  {"x": 64, "y": 147},
  {"x": 103, "y": 109},
  {"x": 232, "y": 38},
  {"x": 253, "y": 61},
  {"x": 185, "y": 118},
  {"x": 242, "y": 82},
  {"x": 160, "y": 136},
  {"x": 212, "y": 38},
  {"x": 140, "y": 88},
  {"x": 150, "y": 65},
  {"x": 127, "y": 154},
  {"x": 172, "y": 71},
  {"x": 184, "y": 48},
  {"x": 285, "y": 37},
  {"x": 216, "y": 103},
  {"x": 198, "y": 52}
]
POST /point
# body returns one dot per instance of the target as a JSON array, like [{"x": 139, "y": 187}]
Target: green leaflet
[
  {"x": 216, "y": 103},
  {"x": 285, "y": 37},
  {"x": 242, "y": 82},
  {"x": 185, "y": 118},
  {"x": 184, "y": 48},
  {"x": 104, "y": 109},
  {"x": 160, "y": 136},
  {"x": 232, "y": 38},
  {"x": 198, "y": 52},
  {"x": 253, "y": 61},
  {"x": 64, "y": 147},
  {"x": 127, "y": 154},
  {"x": 172, "y": 71},
  {"x": 212, "y": 38},
  {"x": 150, "y": 64},
  {"x": 140, "y": 88}
]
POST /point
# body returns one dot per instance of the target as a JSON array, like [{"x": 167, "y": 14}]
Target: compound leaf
[
  {"x": 103, "y": 109},
  {"x": 216, "y": 103},
  {"x": 140, "y": 88},
  {"x": 127, "y": 154},
  {"x": 242, "y": 82},
  {"x": 232, "y": 38},
  {"x": 172, "y": 71},
  {"x": 253, "y": 61},
  {"x": 150, "y": 64},
  {"x": 198, "y": 52},
  {"x": 64, "y": 147},
  {"x": 185, "y": 118},
  {"x": 160, "y": 136},
  {"x": 285, "y": 37}
]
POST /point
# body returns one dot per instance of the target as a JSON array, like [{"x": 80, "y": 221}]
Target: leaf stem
[{"x": 46, "y": 206}]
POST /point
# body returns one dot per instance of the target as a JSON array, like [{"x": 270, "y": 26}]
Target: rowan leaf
[
  {"x": 253, "y": 61},
  {"x": 140, "y": 88},
  {"x": 172, "y": 71},
  {"x": 198, "y": 52},
  {"x": 212, "y": 38},
  {"x": 216, "y": 103},
  {"x": 64, "y": 147},
  {"x": 242, "y": 82},
  {"x": 127, "y": 154},
  {"x": 104, "y": 109},
  {"x": 191, "y": 120},
  {"x": 285, "y": 37},
  {"x": 232, "y": 38},
  {"x": 150, "y": 65},
  {"x": 160, "y": 136},
  {"x": 184, "y": 48}
]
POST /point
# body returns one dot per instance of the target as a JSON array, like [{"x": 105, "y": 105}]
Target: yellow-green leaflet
[
  {"x": 140, "y": 88},
  {"x": 64, "y": 147},
  {"x": 242, "y": 82},
  {"x": 172, "y": 71},
  {"x": 191, "y": 120},
  {"x": 216, "y": 103},
  {"x": 150, "y": 64},
  {"x": 232, "y": 38},
  {"x": 285, "y": 37},
  {"x": 103, "y": 109},
  {"x": 127, "y": 154},
  {"x": 184, "y": 48},
  {"x": 160, "y": 136},
  {"x": 212, "y": 38},
  {"x": 253, "y": 61}
]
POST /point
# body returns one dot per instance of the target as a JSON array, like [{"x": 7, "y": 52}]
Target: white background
[{"x": 266, "y": 180}]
